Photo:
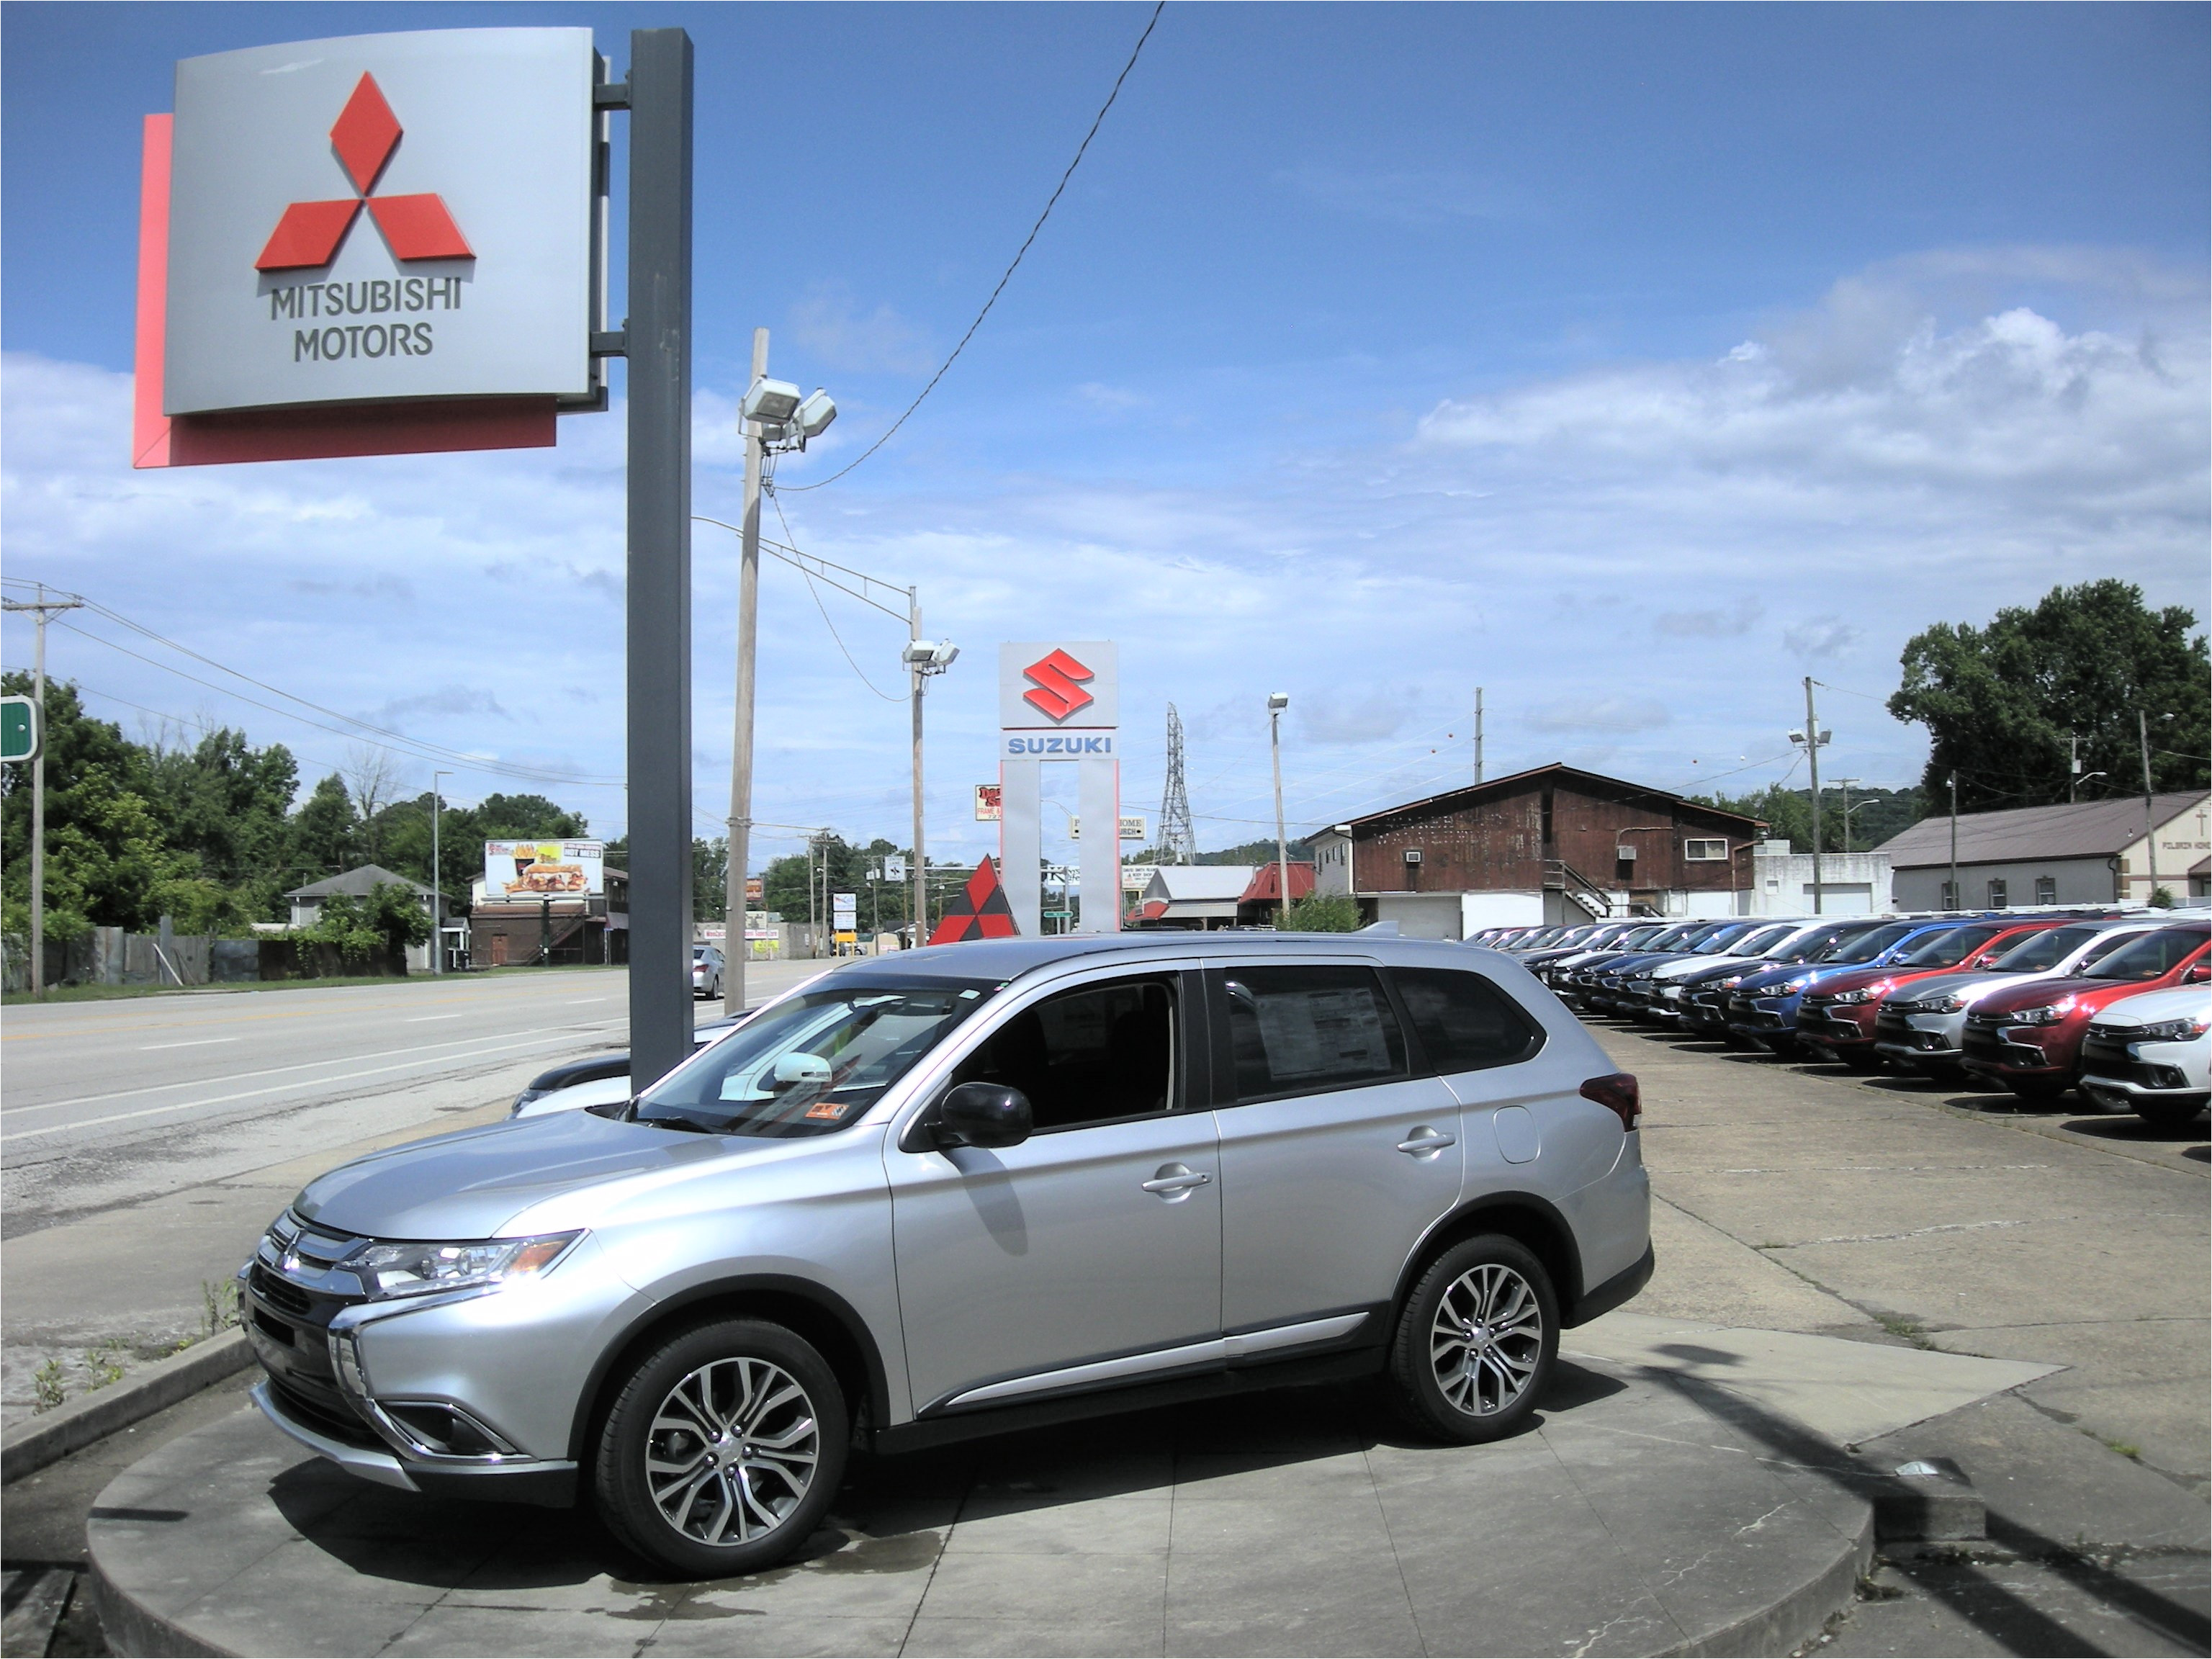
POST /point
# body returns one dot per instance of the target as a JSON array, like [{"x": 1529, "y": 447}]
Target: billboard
[
  {"x": 988, "y": 803},
  {"x": 544, "y": 870}
]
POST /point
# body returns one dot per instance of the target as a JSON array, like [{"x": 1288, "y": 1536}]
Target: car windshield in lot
[
  {"x": 2150, "y": 955},
  {"x": 1949, "y": 950},
  {"x": 1753, "y": 945},
  {"x": 811, "y": 1065},
  {"x": 2047, "y": 951},
  {"x": 1865, "y": 947}
]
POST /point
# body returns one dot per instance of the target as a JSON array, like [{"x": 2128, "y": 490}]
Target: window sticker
[
  {"x": 1323, "y": 1033},
  {"x": 829, "y": 1110}
]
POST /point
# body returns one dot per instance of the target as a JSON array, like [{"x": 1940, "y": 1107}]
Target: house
[
  {"x": 2091, "y": 852},
  {"x": 1549, "y": 845},
  {"x": 591, "y": 928},
  {"x": 1261, "y": 901},
  {"x": 307, "y": 901},
  {"x": 1199, "y": 895}
]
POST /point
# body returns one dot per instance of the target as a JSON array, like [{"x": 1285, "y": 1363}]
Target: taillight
[{"x": 1619, "y": 1094}]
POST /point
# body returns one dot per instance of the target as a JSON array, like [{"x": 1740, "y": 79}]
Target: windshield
[
  {"x": 1949, "y": 950},
  {"x": 1810, "y": 947},
  {"x": 2151, "y": 955},
  {"x": 813, "y": 1064},
  {"x": 1753, "y": 943},
  {"x": 2047, "y": 951},
  {"x": 1865, "y": 947}
]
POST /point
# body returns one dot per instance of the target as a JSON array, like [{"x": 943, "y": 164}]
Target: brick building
[{"x": 1551, "y": 845}]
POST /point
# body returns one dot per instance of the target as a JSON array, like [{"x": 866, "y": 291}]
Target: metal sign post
[{"x": 658, "y": 343}]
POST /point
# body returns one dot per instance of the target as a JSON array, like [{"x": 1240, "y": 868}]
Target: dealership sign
[
  {"x": 1059, "y": 699},
  {"x": 380, "y": 243}
]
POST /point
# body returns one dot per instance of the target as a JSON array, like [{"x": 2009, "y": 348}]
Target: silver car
[{"x": 962, "y": 1190}]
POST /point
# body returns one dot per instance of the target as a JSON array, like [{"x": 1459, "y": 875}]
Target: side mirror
[
  {"x": 983, "y": 1114},
  {"x": 2196, "y": 973},
  {"x": 801, "y": 1068}
]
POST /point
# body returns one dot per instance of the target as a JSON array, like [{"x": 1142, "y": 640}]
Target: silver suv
[{"x": 962, "y": 1190}]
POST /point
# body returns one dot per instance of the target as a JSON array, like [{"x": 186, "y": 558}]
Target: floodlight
[
  {"x": 1278, "y": 700},
  {"x": 772, "y": 401},
  {"x": 813, "y": 416}
]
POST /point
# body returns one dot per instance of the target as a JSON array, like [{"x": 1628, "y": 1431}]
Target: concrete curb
[
  {"x": 1786, "y": 1624},
  {"x": 77, "y": 1422}
]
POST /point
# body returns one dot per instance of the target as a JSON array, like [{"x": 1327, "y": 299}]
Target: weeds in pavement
[
  {"x": 47, "y": 1387},
  {"x": 2126, "y": 1449},
  {"x": 218, "y": 1306},
  {"x": 100, "y": 1368},
  {"x": 1910, "y": 1330}
]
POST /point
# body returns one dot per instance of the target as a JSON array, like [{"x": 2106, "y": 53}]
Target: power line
[
  {"x": 1096, "y": 122},
  {"x": 815, "y": 594}
]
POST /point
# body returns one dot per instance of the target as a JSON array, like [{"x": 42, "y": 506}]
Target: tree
[
  {"x": 1876, "y": 814},
  {"x": 2000, "y": 702},
  {"x": 325, "y": 831},
  {"x": 1323, "y": 913},
  {"x": 387, "y": 922},
  {"x": 374, "y": 779}
]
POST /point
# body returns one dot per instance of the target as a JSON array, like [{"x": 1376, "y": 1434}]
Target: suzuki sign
[{"x": 1059, "y": 699}]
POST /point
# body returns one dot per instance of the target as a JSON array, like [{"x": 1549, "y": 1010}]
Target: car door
[
  {"x": 1094, "y": 1243},
  {"x": 1336, "y": 1156}
]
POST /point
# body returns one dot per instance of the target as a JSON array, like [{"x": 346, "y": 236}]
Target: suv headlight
[
  {"x": 1949, "y": 1003},
  {"x": 2048, "y": 1013},
  {"x": 2168, "y": 1030},
  {"x": 1791, "y": 986},
  {"x": 387, "y": 1271}
]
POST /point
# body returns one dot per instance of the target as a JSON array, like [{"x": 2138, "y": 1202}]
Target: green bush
[
  {"x": 1322, "y": 913},
  {"x": 384, "y": 923}
]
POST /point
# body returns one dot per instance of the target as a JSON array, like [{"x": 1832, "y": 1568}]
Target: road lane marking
[
  {"x": 197, "y": 1042},
  {"x": 421, "y": 1050},
  {"x": 250, "y": 1094},
  {"x": 578, "y": 1002},
  {"x": 420, "y": 1018}
]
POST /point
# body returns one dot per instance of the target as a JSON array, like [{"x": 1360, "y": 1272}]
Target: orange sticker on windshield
[{"x": 831, "y": 1110}]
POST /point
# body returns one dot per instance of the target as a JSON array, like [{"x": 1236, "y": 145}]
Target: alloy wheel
[
  {"x": 731, "y": 1451},
  {"x": 1487, "y": 1340}
]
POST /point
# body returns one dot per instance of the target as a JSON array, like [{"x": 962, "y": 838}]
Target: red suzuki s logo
[
  {"x": 414, "y": 227},
  {"x": 1057, "y": 692}
]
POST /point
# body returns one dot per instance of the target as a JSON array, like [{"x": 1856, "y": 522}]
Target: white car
[{"x": 2151, "y": 1054}]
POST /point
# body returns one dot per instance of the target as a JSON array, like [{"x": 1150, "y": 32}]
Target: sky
[{"x": 1630, "y": 363}]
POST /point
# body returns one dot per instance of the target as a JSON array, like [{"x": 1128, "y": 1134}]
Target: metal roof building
[
  {"x": 1192, "y": 896},
  {"x": 2091, "y": 852}
]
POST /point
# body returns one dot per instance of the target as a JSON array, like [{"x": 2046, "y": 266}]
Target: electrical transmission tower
[{"x": 1178, "y": 843}]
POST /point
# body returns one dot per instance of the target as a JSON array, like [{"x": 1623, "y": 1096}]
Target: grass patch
[
  {"x": 1911, "y": 1330},
  {"x": 2126, "y": 1449}
]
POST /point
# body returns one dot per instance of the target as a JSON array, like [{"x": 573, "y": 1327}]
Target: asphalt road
[{"x": 145, "y": 1142}]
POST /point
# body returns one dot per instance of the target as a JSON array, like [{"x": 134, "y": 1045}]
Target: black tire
[
  {"x": 1863, "y": 1059},
  {"x": 727, "y": 1526},
  {"x": 1460, "y": 1393},
  {"x": 2038, "y": 1088}
]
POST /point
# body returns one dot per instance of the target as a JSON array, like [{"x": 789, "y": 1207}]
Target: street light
[
  {"x": 437, "y": 886},
  {"x": 923, "y": 659},
  {"x": 1813, "y": 740},
  {"x": 1277, "y": 701}
]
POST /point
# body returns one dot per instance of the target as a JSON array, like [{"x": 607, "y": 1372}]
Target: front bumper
[{"x": 1829, "y": 1026}]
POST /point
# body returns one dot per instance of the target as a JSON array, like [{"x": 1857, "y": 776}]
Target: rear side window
[
  {"x": 1464, "y": 1021},
  {"x": 1303, "y": 1031}
]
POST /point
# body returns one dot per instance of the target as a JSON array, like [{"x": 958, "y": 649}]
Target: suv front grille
[{"x": 284, "y": 1298}]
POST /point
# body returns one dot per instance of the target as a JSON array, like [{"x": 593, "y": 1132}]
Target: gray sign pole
[{"x": 657, "y": 341}]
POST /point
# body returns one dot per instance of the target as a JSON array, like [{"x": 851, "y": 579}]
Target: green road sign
[{"x": 19, "y": 729}]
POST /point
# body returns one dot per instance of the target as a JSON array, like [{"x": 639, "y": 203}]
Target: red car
[
  {"x": 2028, "y": 1038},
  {"x": 1837, "y": 1020}
]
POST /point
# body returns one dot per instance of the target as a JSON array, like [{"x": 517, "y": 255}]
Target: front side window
[
  {"x": 1464, "y": 1021},
  {"x": 813, "y": 1064},
  {"x": 2042, "y": 951},
  {"x": 1302, "y": 1030},
  {"x": 1089, "y": 1056},
  {"x": 1867, "y": 946}
]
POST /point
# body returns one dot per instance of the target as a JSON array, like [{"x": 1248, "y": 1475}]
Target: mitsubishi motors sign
[{"x": 379, "y": 221}]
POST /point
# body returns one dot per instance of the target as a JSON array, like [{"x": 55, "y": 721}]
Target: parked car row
[{"x": 2118, "y": 1005}]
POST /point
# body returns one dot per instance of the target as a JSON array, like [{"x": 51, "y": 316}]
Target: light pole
[
  {"x": 1277, "y": 701},
  {"x": 1844, "y": 784},
  {"x": 1813, "y": 740},
  {"x": 923, "y": 659},
  {"x": 1953, "y": 903},
  {"x": 775, "y": 418},
  {"x": 437, "y": 886}
]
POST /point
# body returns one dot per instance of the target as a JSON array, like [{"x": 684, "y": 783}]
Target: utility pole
[
  {"x": 43, "y": 607},
  {"x": 437, "y": 886},
  {"x": 1844, "y": 784},
  {"x": 915, "y": 665},
  {"x": 1477, "y": 734},
  {"x": 2073, "y": 765},
  {"x": 2150, "y": 808},
  {"x": 740, "y": 829},
  {"x": 1276, "y": 703},
  {"x": 1954, "y": 904},
  {"x": 1813, "y": 739}
]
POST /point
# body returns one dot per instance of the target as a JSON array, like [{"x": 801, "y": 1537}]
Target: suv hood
[
  {"x": 470, "y": 1184},
  {"x": 2149, "y": 1007}
]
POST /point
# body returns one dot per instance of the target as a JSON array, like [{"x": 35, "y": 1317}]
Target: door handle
[
  {"x": 1426, "y": 1140},
  {"x": 1174, "y": 1179}
]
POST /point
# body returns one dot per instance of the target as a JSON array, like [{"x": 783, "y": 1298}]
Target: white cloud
[{"x": 830, "y": 322}]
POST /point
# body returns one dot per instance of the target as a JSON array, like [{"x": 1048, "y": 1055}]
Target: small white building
[
  {"x": 2095, "y": 852},
  {"x": 1200, "y": 895},
  {"x": 1851, "y": 884},
  {"x": 307, "y": 901}
]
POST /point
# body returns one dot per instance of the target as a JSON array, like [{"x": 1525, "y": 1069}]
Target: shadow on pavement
[
  {"x": 1994, "y": 1610},
  {"x": 888, "y": 1514}
]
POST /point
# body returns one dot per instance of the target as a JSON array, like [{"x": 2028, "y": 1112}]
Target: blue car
[{"x": 1763, "y": 1007}]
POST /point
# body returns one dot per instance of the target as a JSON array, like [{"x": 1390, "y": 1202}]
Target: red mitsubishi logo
[
  {"x": 1057, "y": 693},
  {"x": 414, "y": 227}
]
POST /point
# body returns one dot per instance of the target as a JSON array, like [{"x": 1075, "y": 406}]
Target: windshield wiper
[{"x": 691, "y": 1125}]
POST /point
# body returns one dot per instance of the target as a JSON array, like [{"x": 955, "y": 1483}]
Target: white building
[{"x": 2095, "y": 852}]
